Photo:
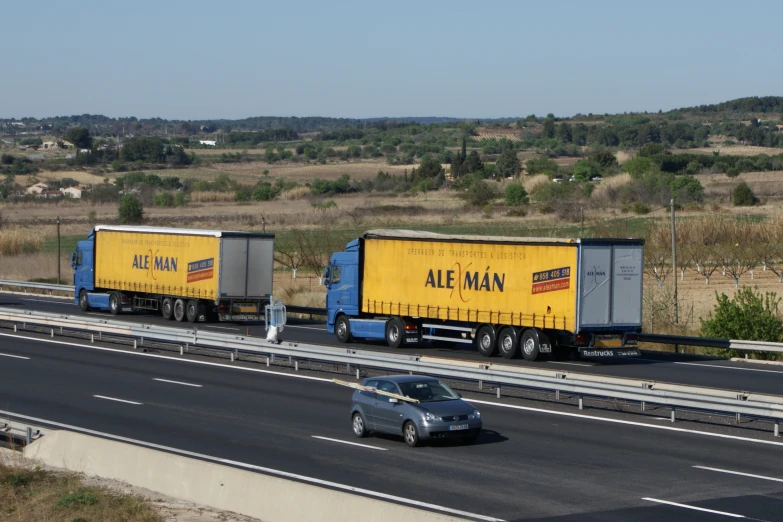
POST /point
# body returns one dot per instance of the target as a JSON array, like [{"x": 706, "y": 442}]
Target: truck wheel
[
  {"x": 394, "y": 332},
  {"x": 530, "y": 344},
  {"x": 179, "y": 310},
  {"x": 114, "y": 303},
  {"x": 191, "y": 311},
  {"x": 485, "y": 341},
  {"x": 342, "y": 329},
  {"x": 84, "y": 303},
  {"x": 507, "y": 342},
  {"x": 167, "y": 308}
]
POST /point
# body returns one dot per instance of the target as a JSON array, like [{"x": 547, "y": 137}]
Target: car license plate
[{"x": 458, "y": 427}]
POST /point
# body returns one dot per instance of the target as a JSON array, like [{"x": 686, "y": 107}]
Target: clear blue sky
[{"x": 479, "y": 59}]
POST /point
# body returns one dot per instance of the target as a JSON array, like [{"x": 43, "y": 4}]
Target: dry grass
[
  {"x": 35, "y": 266},
  {"x": 18, "y": 242},
  {"x": 608, "y": 188},
  {"x": 211, "y": 196},
  {"x": 497, "y": 134},
  {"x": 297, "y": 193},
  {"x": 84, "y": 178},
  {"x": 530, "y": 183},
  {"x": 29, "y": 494},
  {"x": 735, "y": 150}
]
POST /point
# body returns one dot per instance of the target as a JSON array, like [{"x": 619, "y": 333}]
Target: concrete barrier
[{"x": 266, "y": 497}]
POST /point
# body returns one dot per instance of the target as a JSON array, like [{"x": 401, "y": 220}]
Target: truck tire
[
  {"x": 395, "y": 331},
  {"x": 84, "y": 303},
  {"x": 342, "y": 329},
  {"x": 192, "y": 311},
  {"x": 179, "y": 310},
  {"x": 508, "y": 346},
  {"x": 530, "y": 344},
  {"x": 167, "y": 308},
  {"x": 485, "y": 341},
  {"x": 114, "y": 303}
]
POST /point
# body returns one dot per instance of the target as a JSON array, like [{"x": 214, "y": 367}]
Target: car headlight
[
  {"x": 475, "y": 415},
  {"x": 429, "y": 417}
]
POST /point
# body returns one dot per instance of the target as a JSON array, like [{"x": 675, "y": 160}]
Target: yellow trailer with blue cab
[{"x": 507, "y": 295}]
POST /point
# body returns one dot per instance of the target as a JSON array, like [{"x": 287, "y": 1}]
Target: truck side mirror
[
  {"x": 326, "y": 276},
  {"x": 73, "y": 259}
]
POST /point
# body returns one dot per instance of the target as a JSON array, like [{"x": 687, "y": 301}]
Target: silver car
[{"x": 440, "y": 413}]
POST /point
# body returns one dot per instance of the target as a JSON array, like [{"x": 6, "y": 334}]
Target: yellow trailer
[
  {"x": 509, "y": 295},
  {"x": 181, "y": 273}
]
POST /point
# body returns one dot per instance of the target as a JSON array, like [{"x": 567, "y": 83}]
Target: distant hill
[{"x": 752, "y": 104}]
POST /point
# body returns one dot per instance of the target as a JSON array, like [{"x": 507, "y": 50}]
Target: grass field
[{"x": 736, "y": 150}]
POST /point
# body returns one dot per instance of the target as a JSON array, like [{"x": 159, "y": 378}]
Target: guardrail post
[
  {"x": 557, "y": 395},
  {"x": 186, "y": 347},
  {"x": 236, "y": 354},
  {"x": 232, "y": 356},
  {"x": 358, "y": 373},
  {"x": 181, "y": 351},
  {"x": 348, "y": 367},
  {"x": 676, "y": 348},
  {"x": 52, "y": 332},
  {"x": 134, "y": 344},
  {"x": 581, "y": 403},
  {"x": 61, "y": 330},
  {"x": 14, "y": 328},
  {"x": 481, "y": 384},
  {"x": 739, "y": 418},
  {"x": 92, "y": 338},
  {"x": 644, "y": 405},
  {"x": 29, "y": 435},
  {"x": 777, "y": 429},
  {"x": 267, "y": 362},
  {"x": 100, "y": 336},
  {"x": 141, "y": 341},
  {"x": 498, "y": 390},
  {"x": 296, "y": 366},
  {"x": 674, "y": 414}
]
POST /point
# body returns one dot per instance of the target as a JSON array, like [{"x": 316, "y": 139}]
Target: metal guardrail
[
  {"x": 18, "y": 435},
  {"x": 502, "y": 375},
  {"x": 676, "y": 340}
]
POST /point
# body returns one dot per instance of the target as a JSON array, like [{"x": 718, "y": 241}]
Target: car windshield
[{"x": 428, "y": 391}]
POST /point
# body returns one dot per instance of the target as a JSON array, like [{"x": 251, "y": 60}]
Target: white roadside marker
[
  {"x": 178, "y": 382},
  {"x": 117, "y": 400},
  {"x": 351, "y": 443},
  {"x": 686, "y": 506}
]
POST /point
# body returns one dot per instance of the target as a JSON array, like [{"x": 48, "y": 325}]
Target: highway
[
  {"x": 528, "y": 464},
  {"x": 705, "y": 372}
]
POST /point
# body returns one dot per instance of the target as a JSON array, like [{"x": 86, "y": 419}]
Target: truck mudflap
[{"x": 624, "y": 351}]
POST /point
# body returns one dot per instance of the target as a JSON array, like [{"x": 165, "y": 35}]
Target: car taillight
[{"x": 582, "y": 339}]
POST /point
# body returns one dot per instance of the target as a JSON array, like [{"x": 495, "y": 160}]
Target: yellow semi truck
[
  {"x": 506, "y": 295},
  {"x": 183, "y": 274}
]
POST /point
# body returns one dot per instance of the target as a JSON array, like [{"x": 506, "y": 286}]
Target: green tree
[
  {"x": 651, "y": 149},
  {"x": 508, "y": 165},
  {"x": 80, "y": 137},
  {"x": 180, "y": 199},
  {"x": 163, "y": 200},
  {"x": 638, "y": 166},
  {"x": 480, "y": 194},
  {"x": 130, "y": 211},
  {"x": 749, "y": 316},
  {"x": 604, "y": 158},
  {"x": 687, "y": 188},
  {"x": 515, "y": 195},
  {"x": 585, "y": 170},
  {"x": 743, "y": 196},
  {"x": 542, "y": 165}
]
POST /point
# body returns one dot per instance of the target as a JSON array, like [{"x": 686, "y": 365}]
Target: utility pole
[
  {"x": 582, "y": 217},
  {"x": 674, "y": 264},
  {"x": 58, "y": 250}
]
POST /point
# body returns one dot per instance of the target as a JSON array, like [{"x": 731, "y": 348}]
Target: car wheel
[
  {"x": 507, "y": 342},
  {"x": 191, "y": 311},
  {"x": 167, "y": 308},
  {"x": 179, "y": 310},
  {"x": 359, "y": 428},
  {"x": 411, "y": 434},
  {"x": 84, "y": 303},
  {"x": 530, "y": 345},
  {"x": 342, "y": 329},
  {"x": 485, "y": 341},
  {"x": 114, "y": 303},
  {"x": 394, "y": 332}
]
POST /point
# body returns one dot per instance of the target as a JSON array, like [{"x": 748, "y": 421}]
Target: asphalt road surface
[{"x": 527, "y": 465}]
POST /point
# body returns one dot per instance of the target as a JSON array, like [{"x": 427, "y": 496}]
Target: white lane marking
[
  {"x": 686, "y": 506},
  {"x": 625, "y": 422},
  {"x": 305, "y": 327},
  {"x": 729, "y": 367},
  {"x": 116, "y": 400},
  {"x": 321, "y": 379},
  {"x": 178, "y": 382},
  {"x": 351, "y": 443},
  {"x": 583, "y": 365},
  {"x": 269, "y": 471},
  {"x": 14, "y": 356},
  {"x": 166, "y": 357},
  {"x": 751, "y": 475},
  {"x": 221, "y": 328},
  {"x": 51, "y": 302}
]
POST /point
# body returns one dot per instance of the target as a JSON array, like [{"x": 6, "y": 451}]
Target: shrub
[
  {"x": 480, "y": 194},
  {"x": 131, "y": 210},
  {"x": 163, "y": 199},
  {"x": 515, "y": 195},
  {"x": 243, "y": 195},
  {"x": 180, "y": 199},
  {"x": 640, "y": 208},
  {"x": 749, "y": 316},
  {"x": 78, "y": 499},
  {"x": 732, "y": 172},
  {"x": 743, "y": 196}
]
